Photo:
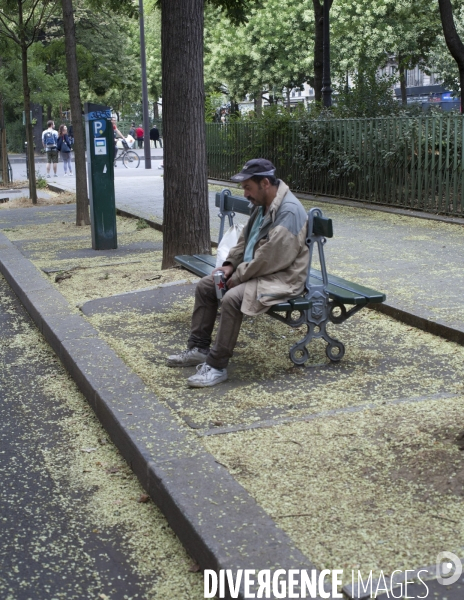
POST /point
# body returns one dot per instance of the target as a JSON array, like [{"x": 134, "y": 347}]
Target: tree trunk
[
  {"x": 404, "y": 95},
  {"x": 453, "y": 41},
  {"x": 82, "y": 202},
  {"x": 3, "y": 151},
  {"x": 234, "y": 108},
  {"x": 186, "y": 228},
  {"x": 27, "y": 106},
  {"x": 318, "y": 48},
  {"x": 155, "y": 110},
  {"x": 259, "y": 104}
]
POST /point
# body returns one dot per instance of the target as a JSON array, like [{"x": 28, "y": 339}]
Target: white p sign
[{"x": 98, "y": 128}]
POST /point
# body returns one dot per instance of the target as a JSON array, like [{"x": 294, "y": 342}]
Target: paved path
[
  {"x": 418, "y": 263},
  {"x": 407, "y": 258}
]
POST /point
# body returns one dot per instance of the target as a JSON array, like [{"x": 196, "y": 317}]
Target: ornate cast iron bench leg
[{"x": 316, "y": 319}]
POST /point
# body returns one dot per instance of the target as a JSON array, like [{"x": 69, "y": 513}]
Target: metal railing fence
[{"x": 409, "y": 162}]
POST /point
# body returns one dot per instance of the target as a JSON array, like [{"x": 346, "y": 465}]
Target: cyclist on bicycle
[{"x": 117, "y": 134}]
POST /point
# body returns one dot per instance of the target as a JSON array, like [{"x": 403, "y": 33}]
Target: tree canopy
[{"x": 269, "y": 52}]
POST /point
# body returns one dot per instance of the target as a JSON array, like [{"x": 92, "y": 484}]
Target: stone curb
[
  {"x": 434, "y": 327},
  {"x": 218, "y": 522}
]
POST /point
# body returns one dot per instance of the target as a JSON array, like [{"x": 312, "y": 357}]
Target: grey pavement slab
[
  {"x": 417, "y": 262},
  {"x": 21, "y": 217},
  {"x": 29, "y": 249},
  {"x": 215, "y": 518},
  {"x": 371, "y": 371}
]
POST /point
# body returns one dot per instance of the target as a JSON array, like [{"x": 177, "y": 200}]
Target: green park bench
[{"x": 326, "y": 298}]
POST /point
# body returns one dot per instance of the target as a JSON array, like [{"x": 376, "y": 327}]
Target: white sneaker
[
  {"x": 48, "y": 176},
  {"x": 187, "y": 358},
  {"x": 207, "y": 376}
]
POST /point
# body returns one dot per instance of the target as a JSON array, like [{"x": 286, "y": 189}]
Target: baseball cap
[{"x": 257, "y": 166}]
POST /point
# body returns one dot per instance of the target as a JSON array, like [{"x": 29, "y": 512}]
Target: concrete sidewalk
[
  {"x": 416, "y": 262},
  {"x": 416, "y": 259}
]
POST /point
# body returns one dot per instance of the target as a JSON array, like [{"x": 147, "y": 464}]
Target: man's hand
[{"x": 227, "y": 270}]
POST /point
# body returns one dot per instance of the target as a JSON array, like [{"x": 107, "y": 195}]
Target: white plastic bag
[{"x": 229, "y": 240}]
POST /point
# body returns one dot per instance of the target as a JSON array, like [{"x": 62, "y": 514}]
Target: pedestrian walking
[
  {"x": 139, "y": 136},
  {"x": 63, "y": 146},
  {"x": 49, "y": 141},
  {"x": 132, "y": 130},
  {"x": 155, "y": 136}
]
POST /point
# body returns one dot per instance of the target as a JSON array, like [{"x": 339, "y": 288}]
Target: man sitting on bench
[{"x": 269, "y": 264}]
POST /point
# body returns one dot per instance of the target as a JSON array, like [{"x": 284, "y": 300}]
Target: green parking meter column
[{"x": 100, "y": 162}]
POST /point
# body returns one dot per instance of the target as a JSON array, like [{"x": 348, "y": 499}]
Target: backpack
[{"x": 49, "y": 139}]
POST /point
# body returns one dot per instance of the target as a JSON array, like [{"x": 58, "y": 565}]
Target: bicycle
[{"x": 130, "y": 158}]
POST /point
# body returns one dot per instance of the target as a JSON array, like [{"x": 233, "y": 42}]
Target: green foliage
[
  {"x": 15, "y": 137},
  {"x": 267, "y": 53},
  {"x": 369, "y": 96},
  {"x": 368, "y": 32},
  {"x": 40, "y": 181},
  {"x": 153, "y": 49},
  {"x": 107, "y": 55},
  {"x": 213, "y": 101},
  {"x": 236, "y": 11},
  {"x": 440, "y": 60},
  {"x": 405, "y": 161},
  {"x": 141, "y": 224}
]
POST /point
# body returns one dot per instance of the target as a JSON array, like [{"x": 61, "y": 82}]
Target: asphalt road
[{"x": 54, "y": 543}]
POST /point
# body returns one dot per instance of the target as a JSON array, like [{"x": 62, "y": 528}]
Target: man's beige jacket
[{"x": 280, "y": 259}]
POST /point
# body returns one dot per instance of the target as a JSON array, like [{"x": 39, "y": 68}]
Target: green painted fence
[{"x": 413, "y": 163}]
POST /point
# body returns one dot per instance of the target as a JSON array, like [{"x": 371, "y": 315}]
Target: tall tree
[
  {"x": 453, "y": 41},
  {"x": 124, "y": 7},
  {"x": 267, "y": 54},
  {"x": 368, "y": 33},
  {"x": 186, "y": 212},
  {"x": 82, "y": 202},
  {"x": 22, "y": 21},
  {"x": 318, "y": 6}
]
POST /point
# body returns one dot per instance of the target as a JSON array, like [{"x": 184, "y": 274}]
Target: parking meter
[{"x": 100, "y": 173}]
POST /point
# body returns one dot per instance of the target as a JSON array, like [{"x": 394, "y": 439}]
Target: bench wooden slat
[
  {"x": 194, "y": 264},
  {"x": 321, "y": 225},
  {"x": 348, "y": 291},
  {"x": 340, "y": 290},
  {"x": 207, "y": 258},
  {"x": 234, "y": 203}
]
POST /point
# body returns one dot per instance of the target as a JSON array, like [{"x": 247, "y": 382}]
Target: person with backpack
[
  {"x": 49, "y": 141},
  {"x": 64, "y": 147}
]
